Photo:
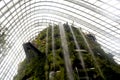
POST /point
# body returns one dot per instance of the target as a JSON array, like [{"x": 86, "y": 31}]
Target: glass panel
[
  {"x": 7, "y": 1},
  {"x": 88, "y": 16},
  {"x": 1, "y": 4}
]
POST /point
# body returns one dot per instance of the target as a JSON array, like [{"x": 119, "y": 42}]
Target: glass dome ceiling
[{"x": 24, "y": 19}]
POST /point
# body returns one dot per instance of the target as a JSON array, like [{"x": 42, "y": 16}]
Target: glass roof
[{"x": 26, "y": 18}]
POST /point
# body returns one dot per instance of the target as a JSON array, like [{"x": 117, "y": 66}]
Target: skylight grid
[{"x": 20, "y": 18}]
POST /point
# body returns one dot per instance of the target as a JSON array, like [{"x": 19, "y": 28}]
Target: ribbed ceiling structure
[{"x": 26, "y": 18}]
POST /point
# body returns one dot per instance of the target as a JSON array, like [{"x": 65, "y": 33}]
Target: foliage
[
  {"x": 41, "y": 68},
  {"x": 2, "y": 40},
  {"x": 33, "y": 70}
]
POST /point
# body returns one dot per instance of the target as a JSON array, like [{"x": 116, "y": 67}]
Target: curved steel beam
[{"x": 69, "y": 11}]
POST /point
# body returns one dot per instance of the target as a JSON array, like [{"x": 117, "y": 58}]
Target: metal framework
[{"x": 26, "y": 18}]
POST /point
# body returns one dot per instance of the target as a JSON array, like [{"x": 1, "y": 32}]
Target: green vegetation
[
  {"x": 34, "y": 70},
  {"x": 2, "y": 39},
  {"x": 48, "y": 67}
]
